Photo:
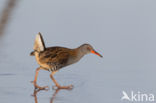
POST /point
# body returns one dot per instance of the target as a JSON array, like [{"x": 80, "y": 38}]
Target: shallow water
[{"x": 123, "y": 32}]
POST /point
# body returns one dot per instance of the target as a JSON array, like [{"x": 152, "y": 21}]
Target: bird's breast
[{"x": 44, "y": 65}]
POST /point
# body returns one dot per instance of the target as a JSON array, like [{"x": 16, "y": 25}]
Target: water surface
[{"x": 122, "y": 31}]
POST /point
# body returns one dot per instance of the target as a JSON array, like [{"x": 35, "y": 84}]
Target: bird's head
[{"x": 87, "y": 48}]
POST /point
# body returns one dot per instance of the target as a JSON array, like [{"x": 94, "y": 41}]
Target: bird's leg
[
  {"x": 35, "y": 80},
  {"x": 57, "y": 84}
]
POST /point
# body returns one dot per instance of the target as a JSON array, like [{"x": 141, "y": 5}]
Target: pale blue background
[{"x": 123, "y": 31}]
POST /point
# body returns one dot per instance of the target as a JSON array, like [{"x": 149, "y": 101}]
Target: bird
[{"x": 52, "y": 59}]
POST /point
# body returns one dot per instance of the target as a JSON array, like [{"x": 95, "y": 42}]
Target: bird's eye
[{"x": 88, "y": 48}]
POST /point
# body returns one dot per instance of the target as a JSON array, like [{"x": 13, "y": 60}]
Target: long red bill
[{"x": 96, "y": 53}]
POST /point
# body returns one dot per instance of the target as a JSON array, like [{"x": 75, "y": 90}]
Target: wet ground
[{"x": 123, "y": 32}]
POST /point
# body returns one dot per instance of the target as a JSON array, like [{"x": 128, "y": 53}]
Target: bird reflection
[
  {"x": 52, "y": 98},
  {"x": 54, "y": 95}
]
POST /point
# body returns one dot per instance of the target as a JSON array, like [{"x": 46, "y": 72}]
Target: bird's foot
[
  {"x": 39, "y": 87},
  {"x": 63, "y": 87}
]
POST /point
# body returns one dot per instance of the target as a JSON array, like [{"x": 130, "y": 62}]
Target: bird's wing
[{"x": 56, "y": 56}]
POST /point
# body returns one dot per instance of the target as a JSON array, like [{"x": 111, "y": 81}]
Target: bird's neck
[{"x": 80, "y": 53}]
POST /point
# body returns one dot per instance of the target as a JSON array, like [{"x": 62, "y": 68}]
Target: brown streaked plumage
[{"x": 54, "y": 58}]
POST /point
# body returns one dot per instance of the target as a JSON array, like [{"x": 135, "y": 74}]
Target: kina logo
[{"x": 137, "y": 97}]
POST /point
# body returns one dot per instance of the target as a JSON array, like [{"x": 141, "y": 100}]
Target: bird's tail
[
  {"x": 38, "y": 45},
  {"x": 32, "y": 53}
]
